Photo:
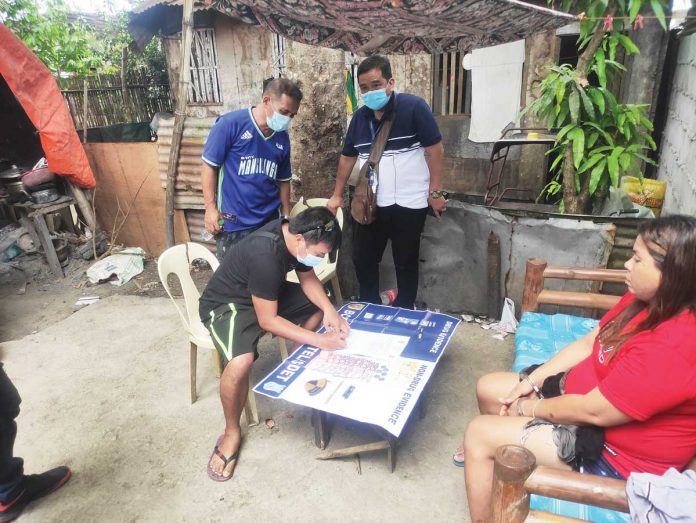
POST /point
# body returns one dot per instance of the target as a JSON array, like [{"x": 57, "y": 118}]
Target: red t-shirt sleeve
[{"x": 648, "y": 379}]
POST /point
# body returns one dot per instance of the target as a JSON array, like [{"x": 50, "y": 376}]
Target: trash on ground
[
  {"x": 86, "y": 300},
  {"x": 508, "y": 322},
  {"x": 467, "y": 318},
  {"x": 270, "y": 423},
  {"x": 118, "y": 268}
]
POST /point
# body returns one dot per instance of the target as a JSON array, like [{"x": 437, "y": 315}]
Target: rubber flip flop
[
  {"x": 458, "y": 462},
  {"x": 225, "y": 460}
]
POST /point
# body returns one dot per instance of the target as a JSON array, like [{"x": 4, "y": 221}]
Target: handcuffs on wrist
[{"x": 525, "y": 377}]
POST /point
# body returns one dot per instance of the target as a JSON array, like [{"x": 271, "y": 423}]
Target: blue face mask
[
  {"x": 309, "y": 259},
  {"x": 278, "y": 122},
  {"x": 376, "y": 99}
]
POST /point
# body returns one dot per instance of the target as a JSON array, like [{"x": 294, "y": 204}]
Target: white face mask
[{"x": 310, "y": 260}]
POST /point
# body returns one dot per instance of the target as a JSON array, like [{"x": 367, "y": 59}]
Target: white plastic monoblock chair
[
  {"x": 326, "y": 270},
  {"x": 177, "y": 260}
]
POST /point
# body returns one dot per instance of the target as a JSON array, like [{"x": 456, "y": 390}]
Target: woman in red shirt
[{"x": 634, "y": 375}]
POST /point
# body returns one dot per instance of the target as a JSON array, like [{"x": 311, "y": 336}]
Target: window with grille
[
  {"x": 204, "y": 87},
  {"x": 451, "y": 85},
  {"x": 278, "y": 56}
]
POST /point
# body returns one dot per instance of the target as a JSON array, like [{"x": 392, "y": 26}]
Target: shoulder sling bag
[{"x": 364, "y": 205}]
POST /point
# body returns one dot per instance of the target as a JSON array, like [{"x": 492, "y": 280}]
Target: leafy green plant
[
  {"x": 599, "y": 139},
  {"x": 71, "y": 46},
  {"x": 62, "y": 45}
]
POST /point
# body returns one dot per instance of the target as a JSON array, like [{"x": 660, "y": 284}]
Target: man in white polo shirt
[{"x": 410, "y": 180}]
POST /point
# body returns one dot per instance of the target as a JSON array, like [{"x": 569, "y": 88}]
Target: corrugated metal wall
[
  {"x": 188, "y": 194},
  {"x": 678, "y": 152}
]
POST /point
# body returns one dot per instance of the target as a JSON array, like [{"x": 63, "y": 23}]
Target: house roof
[{"x": 390, "y": 26}]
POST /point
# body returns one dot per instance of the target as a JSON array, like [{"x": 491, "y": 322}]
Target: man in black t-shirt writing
[{"x": 249, "y": 294}]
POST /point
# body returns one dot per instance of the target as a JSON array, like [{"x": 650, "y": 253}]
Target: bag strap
[{"x": 380, "y": 142}]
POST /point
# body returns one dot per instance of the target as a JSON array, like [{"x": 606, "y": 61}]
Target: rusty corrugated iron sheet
[
  {"x": 195, "y": 221},
  {"x": 188, "y": 190}
]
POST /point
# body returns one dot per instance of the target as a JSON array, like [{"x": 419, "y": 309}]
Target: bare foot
[{"x": 227, "y": 446}]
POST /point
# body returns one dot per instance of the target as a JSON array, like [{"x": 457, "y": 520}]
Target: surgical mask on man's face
[
  {"x": 376, "y": 99},
  {"x": 310, "y": 260},
  {"x": 278, "y": 122}
]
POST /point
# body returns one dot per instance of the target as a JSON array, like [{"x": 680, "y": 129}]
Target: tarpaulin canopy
[
  {"x": 36, "y": 90},
  {"x": 389, "y": 26}
]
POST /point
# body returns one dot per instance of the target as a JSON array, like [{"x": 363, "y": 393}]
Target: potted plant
[{"x": 599, "y": 139}]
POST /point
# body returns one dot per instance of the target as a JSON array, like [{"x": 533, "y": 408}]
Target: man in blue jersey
[
  {"x": 246, "y": 165},
  {"x": 410, "y": 180}
]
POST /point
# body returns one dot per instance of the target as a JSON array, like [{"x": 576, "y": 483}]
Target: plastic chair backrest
[
  {"x": 326, "y": 266},
  {"x": 298, "y": 207},
  {"x": 177, "y": 260}
]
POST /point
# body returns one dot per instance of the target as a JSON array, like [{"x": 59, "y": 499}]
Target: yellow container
[{"x": 650, "y": 193}]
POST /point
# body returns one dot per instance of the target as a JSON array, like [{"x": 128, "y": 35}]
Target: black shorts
[{"x": 235, "y": 329}]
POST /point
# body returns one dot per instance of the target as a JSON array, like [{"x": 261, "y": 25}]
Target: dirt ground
[{"x": 105, "y": 391}]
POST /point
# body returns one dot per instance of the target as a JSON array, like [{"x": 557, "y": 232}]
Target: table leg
[
  {"x": 47, "y": 244},
  {"x": 29, "y": 226},
  {"x": 320, "y": 422}
]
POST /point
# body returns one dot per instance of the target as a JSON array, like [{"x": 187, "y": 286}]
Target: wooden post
[
  {"x": 509, "y": 500},
  {"x": 533, "y": 284},
  {"x": 494, "y": 295},
  {"x": 84, "y": 206},
  {"x": 85, "y": 92},
  {"x": 179, "y": 116}
]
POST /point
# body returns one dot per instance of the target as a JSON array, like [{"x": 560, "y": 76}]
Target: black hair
[
  {"x": 280, "y": 86},
  {"x": 266, "y": 82},
  {"x": 317, "y": 225},
  {"x": 376, "y": 61}
]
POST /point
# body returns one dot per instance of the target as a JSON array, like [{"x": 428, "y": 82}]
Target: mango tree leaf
[
  {"x": 574, "y": 105},
  {"x": 590, "y": 162},
  {"x": 563, "y": 116},
  {"x": 598, "y": 99},
  {"x": 613, "y": 165},
  {"x": 609, "y": 96},
  {"x": 578, "y": 138},
  {"x": 560, "y": 93},
  {"x": 634, "y": 9},
  {"x": 628, "y": 44},
  {"x": 659, "y": 12},
  {"x": 555, "y": 163},
  {"x": 563, "y": 131},
  {"x": 646, "y": 123},
  {"x": 596, "y": 175},
  {"x": 650, "y": 141},
  {"x": 601, "y": 68},
  {"x": 592, "y": 140},
  {"x": 607, "y": 137},
  {"x": 612, "y": 48},
  {"x": 625, "y": 161},
  {"x": 616, "y": 65},
  {"x": 587, "y": 104}
]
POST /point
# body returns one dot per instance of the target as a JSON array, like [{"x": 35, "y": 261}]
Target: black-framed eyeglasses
[{"x": 327, "y": 227}]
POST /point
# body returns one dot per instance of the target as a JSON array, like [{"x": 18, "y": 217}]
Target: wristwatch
[{"x": 436, "y": 194}]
